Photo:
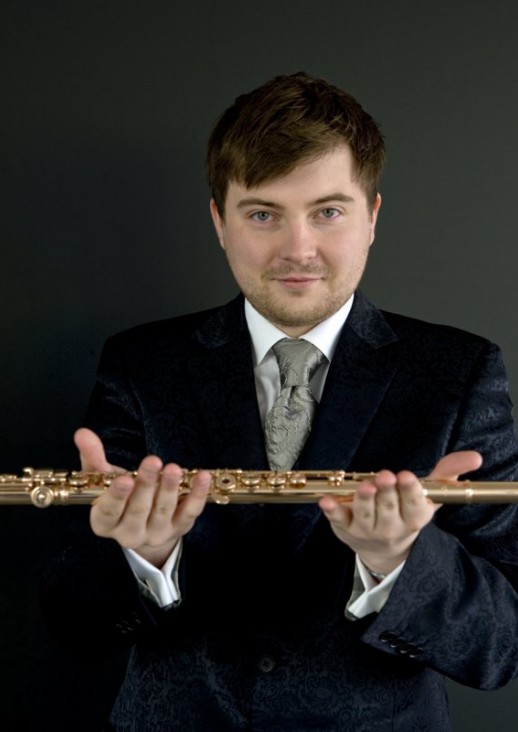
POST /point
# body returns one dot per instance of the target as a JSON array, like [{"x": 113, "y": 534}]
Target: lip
[{"x": 297, "y": 282}]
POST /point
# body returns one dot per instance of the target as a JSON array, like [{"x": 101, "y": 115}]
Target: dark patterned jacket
[{"x": 260, "y": 641}]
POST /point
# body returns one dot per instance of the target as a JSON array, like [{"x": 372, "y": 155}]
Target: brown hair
[{"x": 291, "y": 119}]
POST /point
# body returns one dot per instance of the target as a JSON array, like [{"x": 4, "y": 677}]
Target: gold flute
[{"x": 44, "y": 488}]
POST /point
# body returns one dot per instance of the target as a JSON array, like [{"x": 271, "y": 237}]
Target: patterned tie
[{"x": 288, "y": 422}]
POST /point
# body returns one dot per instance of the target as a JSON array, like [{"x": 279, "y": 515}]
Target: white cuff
[
  {"x": 162, "y": 583},
  {"x": 375, "y": 594}
]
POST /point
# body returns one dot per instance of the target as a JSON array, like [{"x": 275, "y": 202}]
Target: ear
[
  {"x": 374, "y": 216},
  {"x": 218, "y": 222}
]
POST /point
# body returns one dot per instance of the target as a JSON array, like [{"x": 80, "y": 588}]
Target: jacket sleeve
[
  {"x": 454, "y": 607},
  {"x": 91, "y": 600},
  {"x": 89, "y": 596}
]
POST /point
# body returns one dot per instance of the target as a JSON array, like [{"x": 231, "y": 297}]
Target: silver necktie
[{"x": 288, "y": 422}]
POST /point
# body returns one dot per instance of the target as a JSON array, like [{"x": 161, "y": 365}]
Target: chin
[
  {"x": 294, "y": 310},
  {"x": 293, "y": 318}
]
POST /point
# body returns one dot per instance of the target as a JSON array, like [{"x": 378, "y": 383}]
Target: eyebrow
[
  {"x": 335, "y": 197},
  {"x": 244, "y": 202},
  {"x": 254, "y": 201}
]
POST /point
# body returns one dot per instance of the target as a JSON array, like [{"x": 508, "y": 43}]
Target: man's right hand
[{"x": 142, "y": 513}]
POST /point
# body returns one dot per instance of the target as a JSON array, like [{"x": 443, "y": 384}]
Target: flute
[{"x": 43, "y": 488}]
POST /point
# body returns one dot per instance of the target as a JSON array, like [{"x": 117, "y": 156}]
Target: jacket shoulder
[
  {"x": 422, "y": 333},
  {"x": 180, "y": 326},
  {"x": 183, "y": 332}
]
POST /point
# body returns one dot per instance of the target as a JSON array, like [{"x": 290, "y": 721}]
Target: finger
[
  {"x": 365, "y": 505},
  {"x": 399, "y": 506},
  {"x": 415, "y": 508},
  {"x": 141, "y": 500},
  {"x": 456, "y": 463},
  {"x": 192, "y": 505},
  {"x": 165, "y": 500},
  {"x": 108, "y": 509},
  {"x": 122, "y": 512},
  {"x": 387, "y": 510},
  {"x": 341, "y": 515},
  {"x": 91, "y": 451}
]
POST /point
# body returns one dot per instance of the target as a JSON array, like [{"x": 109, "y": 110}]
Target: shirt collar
[{"x": 324, "y": 336}]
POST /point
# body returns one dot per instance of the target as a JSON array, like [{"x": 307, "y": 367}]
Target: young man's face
[{"x": 297, "y": 246}]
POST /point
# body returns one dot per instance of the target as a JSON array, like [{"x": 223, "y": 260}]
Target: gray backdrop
[{"x": 105, "y": 109}]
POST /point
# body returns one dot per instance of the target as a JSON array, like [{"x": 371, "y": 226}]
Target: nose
[{"x": 298, "y": 243}]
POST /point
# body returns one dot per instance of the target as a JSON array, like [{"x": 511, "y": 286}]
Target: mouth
[{"x": 295, "y": 281}]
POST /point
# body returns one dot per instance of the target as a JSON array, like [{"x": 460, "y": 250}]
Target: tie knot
[{"x": 298, "y": 360}]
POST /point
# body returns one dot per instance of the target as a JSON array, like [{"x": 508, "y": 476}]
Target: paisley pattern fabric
[
  {"x": 260, "y": 641},
  {"x": 288, "y": 423}
]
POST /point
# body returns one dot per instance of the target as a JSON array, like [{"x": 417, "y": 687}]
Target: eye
[
  {"x": 329, "y": 213},
  {"x": 261, "y": 216}
]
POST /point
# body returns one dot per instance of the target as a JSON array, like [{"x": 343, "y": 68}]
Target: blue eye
[
  {"x": 329, "y": 213},
  {"x": 261, "y": 216}
]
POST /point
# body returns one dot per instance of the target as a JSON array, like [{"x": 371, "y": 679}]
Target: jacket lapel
[
  {"x": 362, "y": 369},
  {"x": 223, "y": 380}
]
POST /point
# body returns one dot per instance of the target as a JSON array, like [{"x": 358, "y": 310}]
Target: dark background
[{"x": 105, "y": 108}]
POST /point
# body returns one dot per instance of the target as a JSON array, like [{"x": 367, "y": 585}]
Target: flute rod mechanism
[{"x": 44, "y": 488}]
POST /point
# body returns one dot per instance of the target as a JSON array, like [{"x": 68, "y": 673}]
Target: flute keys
[
  {"x": 251, "y": 480},
  {"x": 224, "y": 482},
  {"x": 276, "y": 481},
  {"x": 223, "y": 485},
  {"x": 297, "y": 480},
  {"x": 336, "y": 477}
]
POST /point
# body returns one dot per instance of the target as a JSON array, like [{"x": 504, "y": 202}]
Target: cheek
[
  {"x": 346, "y": 256},
  {"x": 247, "y": 253}
]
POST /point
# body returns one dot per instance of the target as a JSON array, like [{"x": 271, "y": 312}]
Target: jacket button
[
  {"x": 266, "y": 664},
  {"x": 409, "y": 649},
  {"x": 388, "y": 637}
]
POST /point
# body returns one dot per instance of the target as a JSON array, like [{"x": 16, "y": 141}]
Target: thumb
[
  {"x": 456, "y": 463},
  {"x": 91, "y": 452}
]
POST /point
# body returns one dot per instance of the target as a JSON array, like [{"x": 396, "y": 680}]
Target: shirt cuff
[
  {"x": 372, "y": 595},
  {"x": 161, "y": 584}
]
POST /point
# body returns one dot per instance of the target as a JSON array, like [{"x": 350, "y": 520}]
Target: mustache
[{"x": 288, "y": 270}]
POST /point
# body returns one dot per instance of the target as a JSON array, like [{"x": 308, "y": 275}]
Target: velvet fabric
[{"x": 260, "y": 641}]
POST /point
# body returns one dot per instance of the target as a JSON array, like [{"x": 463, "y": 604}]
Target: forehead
[{"x": 333, "y": 172}]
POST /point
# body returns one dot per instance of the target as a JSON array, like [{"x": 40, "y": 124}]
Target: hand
[
  {"x": 388, "y": 512},
  {"x": 91, "y": 453},
  {"x": 143, "y": 512}
]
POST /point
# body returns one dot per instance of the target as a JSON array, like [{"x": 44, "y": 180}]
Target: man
[{"x": 270, "y": 617}]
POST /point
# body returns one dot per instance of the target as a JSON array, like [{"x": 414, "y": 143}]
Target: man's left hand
[{"x": 388, "y": 512}]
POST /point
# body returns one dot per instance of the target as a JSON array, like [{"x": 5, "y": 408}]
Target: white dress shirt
[{"x": 162, "y": 583}]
